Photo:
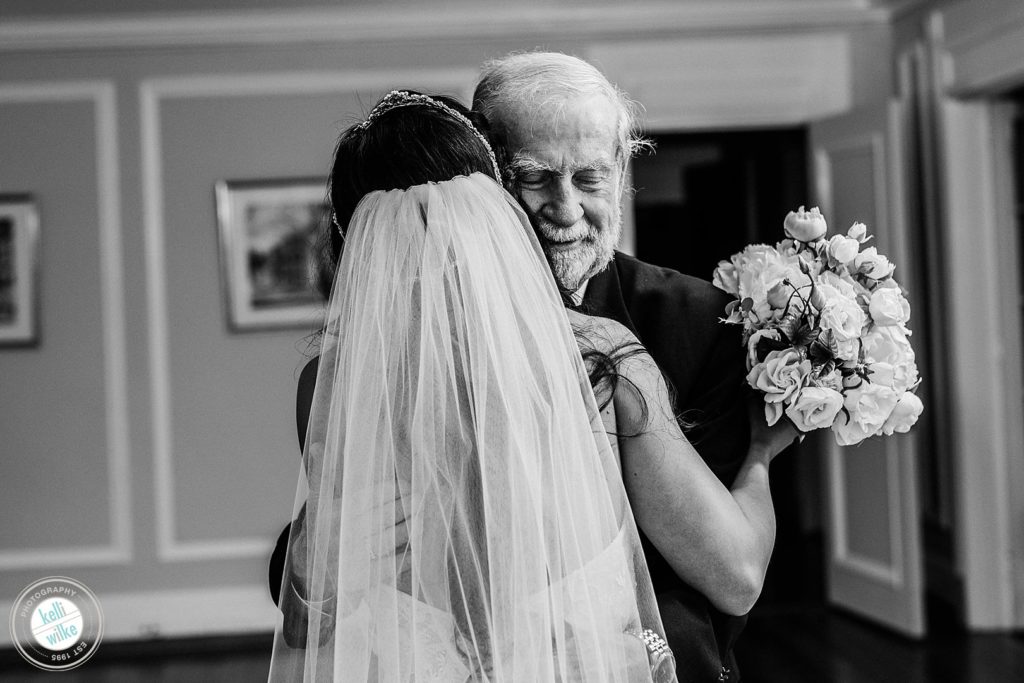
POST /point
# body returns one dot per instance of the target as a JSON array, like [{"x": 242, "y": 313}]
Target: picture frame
[
  {"x": 268, "y": 231},
  {"x": 19, "y": 276}
]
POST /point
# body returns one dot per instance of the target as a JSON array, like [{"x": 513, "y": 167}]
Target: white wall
[{"x": 147, "y": 450}]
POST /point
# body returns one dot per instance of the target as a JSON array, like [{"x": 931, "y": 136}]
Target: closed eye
[
  {"x": 533, "y": 180},
  {"x": 590, "y": 180}
]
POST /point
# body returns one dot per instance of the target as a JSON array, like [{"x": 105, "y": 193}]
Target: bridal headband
[{"x": 402, "y": 98}]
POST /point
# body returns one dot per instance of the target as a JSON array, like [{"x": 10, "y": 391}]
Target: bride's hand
[{"x": 767, "y": 442}]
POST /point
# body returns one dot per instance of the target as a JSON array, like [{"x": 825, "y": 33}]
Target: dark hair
[{"x": 401, "y": 147}]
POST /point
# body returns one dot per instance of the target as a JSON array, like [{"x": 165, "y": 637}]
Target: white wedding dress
[{"x": 435, "y": 654}]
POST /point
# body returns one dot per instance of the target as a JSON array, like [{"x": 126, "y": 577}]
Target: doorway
[{"x": 700, "y": 198}]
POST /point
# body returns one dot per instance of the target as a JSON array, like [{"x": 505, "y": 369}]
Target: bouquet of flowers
[{"x": 825, "y": 328}]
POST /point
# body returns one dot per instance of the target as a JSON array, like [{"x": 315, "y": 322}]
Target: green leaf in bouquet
[
  {"x": 747, "y": 305},
  {"x": 732, "y": 316},
  {"x": 806, "y": 335},
  {"x": 826, "y": 368},
  {"x": 820, "y": 351}
]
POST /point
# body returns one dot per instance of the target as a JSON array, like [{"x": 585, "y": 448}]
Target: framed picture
[
  {"x": 19, "y": 286},
  {"x": 268, "y": 229}
]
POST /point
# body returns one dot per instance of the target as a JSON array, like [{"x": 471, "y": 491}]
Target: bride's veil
[{"x": 451, "y": 398}]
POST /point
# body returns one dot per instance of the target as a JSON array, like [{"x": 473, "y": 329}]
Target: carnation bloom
[
  {"x": 760, "y": 269},
  {"x": 726, "y": 278}
]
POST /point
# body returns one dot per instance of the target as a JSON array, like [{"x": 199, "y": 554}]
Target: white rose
[
  {"x": 841, "y": 315},
  {"x": 899, "y": 377},
  {"x": 805, "y": 226},
  {"x": 876, "y": 266},
  {"x": 887, "y": 345},
  {"x": 904, "y": 415},
  {"x": 843, "y": 249},
  {"x": 842, "y": 284},
  {"x": 815, "y": 408},
  {"x": 869, "y": 406},
  {"x": 858, "y": 231},
  {"x": 888, "y": 307},
  {"x": 887, "y": 350},
  {"x": 780, "y": 375}
]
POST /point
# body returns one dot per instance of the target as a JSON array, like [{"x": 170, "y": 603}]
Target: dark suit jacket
[{"x": 676, "y": 318}]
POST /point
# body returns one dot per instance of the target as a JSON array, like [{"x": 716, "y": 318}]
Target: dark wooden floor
[
  {"x": 819, "y": 645},
  {"x": 787, "y": 645}
]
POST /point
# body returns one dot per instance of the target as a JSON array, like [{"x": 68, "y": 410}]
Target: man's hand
[{"x": 391, "y": 511}]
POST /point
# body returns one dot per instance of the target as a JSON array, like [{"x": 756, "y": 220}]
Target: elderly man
[{"x": 567, "y": 134}]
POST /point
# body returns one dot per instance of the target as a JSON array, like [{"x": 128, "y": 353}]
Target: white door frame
[
  {"x": 982, "y": 259},
  {"x": 985, "y": 367}
]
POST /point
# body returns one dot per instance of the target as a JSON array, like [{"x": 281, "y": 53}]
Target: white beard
[{"x": 573, "y": 268}]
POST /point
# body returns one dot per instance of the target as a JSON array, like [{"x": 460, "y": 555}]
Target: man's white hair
[{"x": 538, "y": 81}]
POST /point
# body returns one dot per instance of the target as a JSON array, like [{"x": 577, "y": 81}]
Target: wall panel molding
[
  {"x": 152, "y": 92},
  {"x": 984, "y": 47},
  {"x": 103, "y": 96},
  {"x": 412, "y": 22},
  {"x": 701, "y": 82}
]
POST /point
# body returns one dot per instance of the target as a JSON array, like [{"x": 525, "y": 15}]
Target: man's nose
[{"x": 564, "y": 205}]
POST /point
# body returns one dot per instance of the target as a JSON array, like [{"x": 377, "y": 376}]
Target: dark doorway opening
[
  {"x": 704, "y": 196},
  {"x": 699, "y": 199}
]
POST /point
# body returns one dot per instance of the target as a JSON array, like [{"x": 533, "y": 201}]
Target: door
[{"x": 872, "y": 528}]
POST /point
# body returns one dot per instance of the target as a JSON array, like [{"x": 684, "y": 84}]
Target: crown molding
[{"x": 371, "y": 24}]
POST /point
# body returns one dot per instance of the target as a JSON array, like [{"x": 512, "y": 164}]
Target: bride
[{"x": 462, "y": 514}]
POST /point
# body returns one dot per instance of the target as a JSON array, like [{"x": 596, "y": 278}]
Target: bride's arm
[{"x": 717, "y": 540}]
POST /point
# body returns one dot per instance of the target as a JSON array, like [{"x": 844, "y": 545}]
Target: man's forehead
[
  {"x": 581, "y": 134},
  {"x": 556, "y": 120}
]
